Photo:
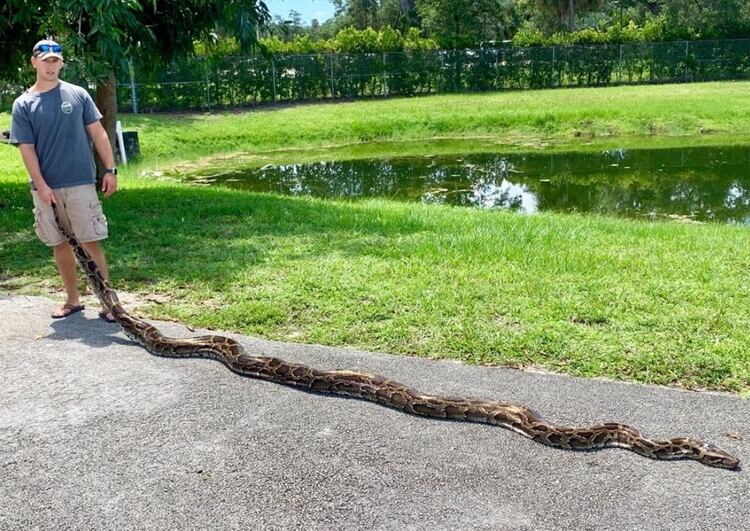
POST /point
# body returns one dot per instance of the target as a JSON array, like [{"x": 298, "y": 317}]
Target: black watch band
[{"x": 113, "y": 171}]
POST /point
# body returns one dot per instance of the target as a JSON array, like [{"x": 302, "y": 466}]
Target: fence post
[
  {"x": 133, "y": 97},
  {"x": 208, "y": 84},
  {"x": 385, "y": 78},
  {"x": 442, "y": 67},
  {"x": 687, "y": 44},
  {"x": 619, "y": 65},
  {"x": 273, "y": 75},
  {"x": 552, "y": 77},
  {"x": 333, "y": 83}
]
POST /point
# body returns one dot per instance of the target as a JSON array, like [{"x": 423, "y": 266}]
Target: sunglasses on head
[{"x": 44, "y": 48}]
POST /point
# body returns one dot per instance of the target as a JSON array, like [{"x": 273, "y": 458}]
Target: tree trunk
[
  {"x": 561, "y": 11},
  {"x": 407, "y": 6},
  {"x": 106, "y": 101},
  {"x": 571, "y": 17},
  {"x": 653, "y": 6}
]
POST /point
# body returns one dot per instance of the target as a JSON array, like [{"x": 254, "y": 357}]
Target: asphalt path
[{"x": 95, "y": 433}]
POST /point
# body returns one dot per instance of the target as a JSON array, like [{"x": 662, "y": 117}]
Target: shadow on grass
[{"x": 189, "y": 234}]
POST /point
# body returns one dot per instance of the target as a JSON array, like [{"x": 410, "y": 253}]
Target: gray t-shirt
[{"x": 55, "y": 122}]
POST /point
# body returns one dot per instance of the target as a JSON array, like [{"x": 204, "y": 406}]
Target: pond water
[{"x": 701, "y": 184}]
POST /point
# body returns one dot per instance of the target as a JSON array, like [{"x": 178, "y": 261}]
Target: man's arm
[
  {"x": 31, "y": 161},
  {"x": 101, "y": 142}
]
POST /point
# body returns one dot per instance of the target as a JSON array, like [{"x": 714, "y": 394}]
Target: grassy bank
[
  {"x": 557, "y": 119},
  {"x": 651, "y": 302},
  {"x": 526, "y": 119}
]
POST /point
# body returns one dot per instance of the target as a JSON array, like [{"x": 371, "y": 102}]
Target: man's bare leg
[
  {"x": 66, "y": 266},
  {"x": 95, "y": 250}
]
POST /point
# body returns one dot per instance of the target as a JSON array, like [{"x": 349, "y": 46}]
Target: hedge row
[
  {"x": 207, "y": 83},
  {"x": 215, "y": 82}
]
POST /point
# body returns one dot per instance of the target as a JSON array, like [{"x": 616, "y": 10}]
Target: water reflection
[{"x": 704, "y": 184}]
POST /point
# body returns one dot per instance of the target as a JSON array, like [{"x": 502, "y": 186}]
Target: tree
[
  {"x": 17, "y": 36},
  {"x": 560, "y": 15},
  {"x": 706, "y": 19},
  {"x": 399, "y": 14},
  {"x": 360, "y": 14},
  {"x": 376, "y": 14},
  {"x": 654, "y": 6},
  {"x": 102, "y": 34},
  {"x": 463, "y": 23},
  {"x": 287, "y": 29}
]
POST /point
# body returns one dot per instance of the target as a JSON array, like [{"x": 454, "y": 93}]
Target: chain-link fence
[{"x": 210, "y": 83}]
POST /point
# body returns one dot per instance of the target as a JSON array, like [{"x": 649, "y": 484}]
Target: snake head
[{"x": 713, "y": 456}]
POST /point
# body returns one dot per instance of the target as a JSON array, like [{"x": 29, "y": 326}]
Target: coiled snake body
[{"x": 388, "y": 392}]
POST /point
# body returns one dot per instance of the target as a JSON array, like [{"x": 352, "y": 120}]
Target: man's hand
[
  {"x": 109, "y": 184},
  {"x": 45, "y": 195}
]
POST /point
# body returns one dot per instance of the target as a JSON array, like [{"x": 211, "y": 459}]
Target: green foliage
[
  {"x": 351, "y": 40},
  {"x": 218, "y": 81},
  {"x": 101, "y": 35},
  {"x": 360, "y": 13},
  {"x": 552, "y": 16},
  {"x": 217, "y": 47},
  {"x": 414, "y": 41},
  {"x": 463, "y": 23},
  {"x": 96, "y": 34},
  {"x": 18, "y": 33},
  {"x": 299, "y": 46},
  {"x": 653, "y": 30},
  {"x": 376, "y": 14},
  {"x": 390, "y": 40},
  {"x": 633, "y": 33},
  {"x": 529, "y": 36},
  {"x": 671, "y": 25},
  {"x": 104, "y": 35},
  {"x": 655, "y": 20},
  {"x": 708, "y": 19}
]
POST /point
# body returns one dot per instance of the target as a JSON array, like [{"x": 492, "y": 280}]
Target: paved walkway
[{"x": 97, "y": 433}]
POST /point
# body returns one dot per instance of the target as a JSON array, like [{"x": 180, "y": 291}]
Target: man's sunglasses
[{"x": 44, "y": 48}]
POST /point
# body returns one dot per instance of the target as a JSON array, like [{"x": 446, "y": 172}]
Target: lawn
[{"x": 653, "y": 302}]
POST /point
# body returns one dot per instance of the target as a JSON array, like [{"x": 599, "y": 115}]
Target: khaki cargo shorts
[{"x": 79, "y": 208}]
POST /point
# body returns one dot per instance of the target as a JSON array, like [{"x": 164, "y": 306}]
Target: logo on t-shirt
[{"x": 66, "y": 107}]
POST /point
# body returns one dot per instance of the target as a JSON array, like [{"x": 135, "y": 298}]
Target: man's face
[{"x": 47, "y": 69}]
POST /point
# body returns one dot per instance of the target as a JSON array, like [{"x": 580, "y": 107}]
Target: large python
[{"x": 387, "y": 392}]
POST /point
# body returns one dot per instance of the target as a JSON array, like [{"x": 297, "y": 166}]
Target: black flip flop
[
  {"x": 69, "y": 309},
  {"x": 103, "y": 315}
]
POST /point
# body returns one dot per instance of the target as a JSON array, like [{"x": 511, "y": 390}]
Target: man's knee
[
  {"x": 62, "y": 249},
  {"x": 92, "y": 246}
]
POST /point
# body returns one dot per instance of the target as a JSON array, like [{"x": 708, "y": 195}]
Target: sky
[{"x": 309, "y": 9}]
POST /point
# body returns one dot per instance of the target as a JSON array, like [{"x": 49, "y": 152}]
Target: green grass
[
  {"x": 652, "y": 302},
  {"x": 586, "y": 295},
  {"x": 563, "y": 118},
  {"x": 534, "y": 118}
]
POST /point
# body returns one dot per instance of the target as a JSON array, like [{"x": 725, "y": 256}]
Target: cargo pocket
[
  {"x": 100, "y": 224},
  {"x": 98, "y": 219},
  {"x": 39, "y": 226}
]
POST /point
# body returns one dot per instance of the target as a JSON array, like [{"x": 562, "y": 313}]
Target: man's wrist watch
[{"x": 113, "y": 171}]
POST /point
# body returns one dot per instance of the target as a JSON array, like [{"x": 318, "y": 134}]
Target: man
[{"x": 53, "y": 123}]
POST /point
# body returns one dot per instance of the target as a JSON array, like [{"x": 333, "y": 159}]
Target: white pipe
[{"x": 121, "y": 143}]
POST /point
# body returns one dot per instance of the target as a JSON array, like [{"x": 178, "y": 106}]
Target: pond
[{"x": 697, "y": 183}]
